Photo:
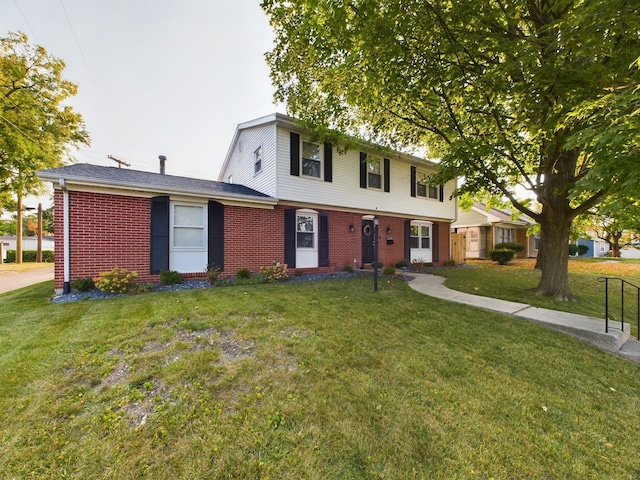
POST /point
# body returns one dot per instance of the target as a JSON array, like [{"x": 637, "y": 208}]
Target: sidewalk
[
  {"x": 588, "y": 329},
  {"x": 14, "y": 280}
]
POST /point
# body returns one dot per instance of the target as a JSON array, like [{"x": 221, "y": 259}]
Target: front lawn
[
  {"x": 310, "y": 380},
  {"x": 515, "y": 282}
]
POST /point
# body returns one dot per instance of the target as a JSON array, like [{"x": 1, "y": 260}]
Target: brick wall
[{"x": 108, "y": 231}]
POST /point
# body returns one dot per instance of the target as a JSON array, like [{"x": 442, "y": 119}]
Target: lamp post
[{"x": 375, "y": 253}]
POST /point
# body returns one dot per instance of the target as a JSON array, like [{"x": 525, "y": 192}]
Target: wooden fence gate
[{"x": 458, "y": 247}]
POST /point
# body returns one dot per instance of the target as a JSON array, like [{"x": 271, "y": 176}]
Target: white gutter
[{"x": 65, "y": 243}]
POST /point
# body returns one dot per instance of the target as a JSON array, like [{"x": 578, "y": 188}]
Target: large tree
[
  {"x": 498, "y": 90},
  {"x": 37, "y": 129}
]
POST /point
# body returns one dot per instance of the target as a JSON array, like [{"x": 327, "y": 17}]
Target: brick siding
[{"x": 108, "y": 231}]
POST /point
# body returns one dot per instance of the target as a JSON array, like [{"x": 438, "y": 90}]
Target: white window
[
  {"x": 421, "y": 236},
  {"x": 505, "y": 235},
  {"x": 374, "y": 175},
  {"x": 257, "y": 161},
  {"x": 188, "y": 226},
  {"x": 424, "y": 190},
  {"x": 305, "y": 231},
  {"x": 311, "y": 160}
]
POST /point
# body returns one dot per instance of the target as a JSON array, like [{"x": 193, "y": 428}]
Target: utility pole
[
  {"x": 19, "y": 229},
  {"x": 39, "y": 254},
  {"x": 118, "y": 161}
]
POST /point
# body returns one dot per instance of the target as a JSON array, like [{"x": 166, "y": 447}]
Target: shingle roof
[{"x": 87, "y": 174}]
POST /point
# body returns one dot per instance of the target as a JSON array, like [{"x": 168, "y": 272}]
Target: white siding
[
  {"x": 345, "y": 191},
  {"x": 469, "y": 218},
  {"x": 241, "y": 163}
]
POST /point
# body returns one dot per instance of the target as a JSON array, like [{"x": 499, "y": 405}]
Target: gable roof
[
  {"x": 495, "y": 215},
  {"x": 136, "y": 180}
]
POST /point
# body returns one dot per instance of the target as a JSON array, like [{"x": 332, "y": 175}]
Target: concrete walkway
[
  {"x": 588, "y": 329},
  {"x": 15, "y": 280}
]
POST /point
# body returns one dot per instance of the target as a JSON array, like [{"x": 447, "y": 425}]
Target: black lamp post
[{"x": 375, "y": 253}]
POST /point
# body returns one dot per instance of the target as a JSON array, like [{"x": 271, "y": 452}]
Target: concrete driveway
[{"x": 14, "y": 280}]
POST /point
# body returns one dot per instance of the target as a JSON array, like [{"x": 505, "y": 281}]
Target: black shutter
[
  {"x": 363, "y": 170},
  {"x": 435, "y": 243},
  {"x": 290, "y": 237},
  {"x": 442, "y": 193},
  {"x": 295, "y": 154},
  {"x": 414, "y": 175},
  {"x": 159, "y": 234},
  {"x": 323, "y": 240},
  {"x": 328, "y": 163},
  {"x": 387, "y": 171},
  {"x": 407, "y": 240},
  {"x": 216, "y": 235}
]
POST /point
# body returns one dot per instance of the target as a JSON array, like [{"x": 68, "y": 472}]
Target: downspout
[{"x": 66, "y": 288}]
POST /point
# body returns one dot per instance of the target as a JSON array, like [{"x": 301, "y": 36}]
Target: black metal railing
[{"x": 607, "y": 294}]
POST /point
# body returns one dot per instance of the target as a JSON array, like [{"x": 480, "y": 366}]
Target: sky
[{"x": 156, "y": 77}]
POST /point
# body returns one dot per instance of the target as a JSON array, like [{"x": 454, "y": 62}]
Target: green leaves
[{"x": 37, "y": 130}]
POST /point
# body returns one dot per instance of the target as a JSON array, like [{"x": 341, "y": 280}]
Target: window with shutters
[
  {"x": 306, "y": 231},
  {"x": 188, "y": 226},
  {"x": 423, "y": 189},
  {"x": 311, "y": 160},
  {"x": 420, "y": 236},
  {"x": 374, "y": 174}
]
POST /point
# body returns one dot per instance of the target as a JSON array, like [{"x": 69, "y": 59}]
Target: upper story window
[
  {"x": 420, "y": 186},
  {"x": 374, "y": 175},
  {"x": 257, "y": 161},
  {"x": 309, "y": 159},
  {"x": 311, "y": 162}
]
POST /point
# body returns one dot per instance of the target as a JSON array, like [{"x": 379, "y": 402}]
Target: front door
[{"x": 367, "y": 242}]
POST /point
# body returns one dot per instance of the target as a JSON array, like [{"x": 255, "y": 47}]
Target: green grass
[
  {"x": 310, "y": 380},
  {"x": 517, "y": 280}
]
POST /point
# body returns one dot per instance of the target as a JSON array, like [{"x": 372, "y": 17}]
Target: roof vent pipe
[{"x": 162, "y": 160}]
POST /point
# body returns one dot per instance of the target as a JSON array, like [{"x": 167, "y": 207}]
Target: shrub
[
  {"x": 83, "y": 284},
  {"x": 402, "y": 264},
  {"x": 170, "y": 277},
  {"x": 30, "y": 256},
  {"x": 298, "y": 273},
  {"x": 389, "y": 270},
  {"x": 213, "y": 272},
  {"x": 243, "y": 274},
  {"x": 277, "y": 271},
  {"x": 516, "y": 247},
  {"x": 450, "y": 263},
  {"x": 577, "y": 249},
  {"x": 118, "y": 280},
  {"x": 347, "y": 268},
  {"x": 502, "y": 256}
]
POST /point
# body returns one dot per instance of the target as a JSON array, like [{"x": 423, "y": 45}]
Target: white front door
[
  {"x": 306, "y": 239},
  {"x": 421, "y": 242}
]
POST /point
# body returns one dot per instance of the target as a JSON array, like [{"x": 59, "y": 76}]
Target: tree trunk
[{"x": 554, "y": 257}]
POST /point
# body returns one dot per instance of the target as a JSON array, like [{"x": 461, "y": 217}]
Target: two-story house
[{"x": 280, "y": 196}]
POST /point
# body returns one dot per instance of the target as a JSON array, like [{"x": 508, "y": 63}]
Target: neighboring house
[
  {"x": 282, "y": 197},
  {"x": 484, "y": 228},
  {"x": 28, "y": 243},
  {"x": 596, "y": 247}
]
